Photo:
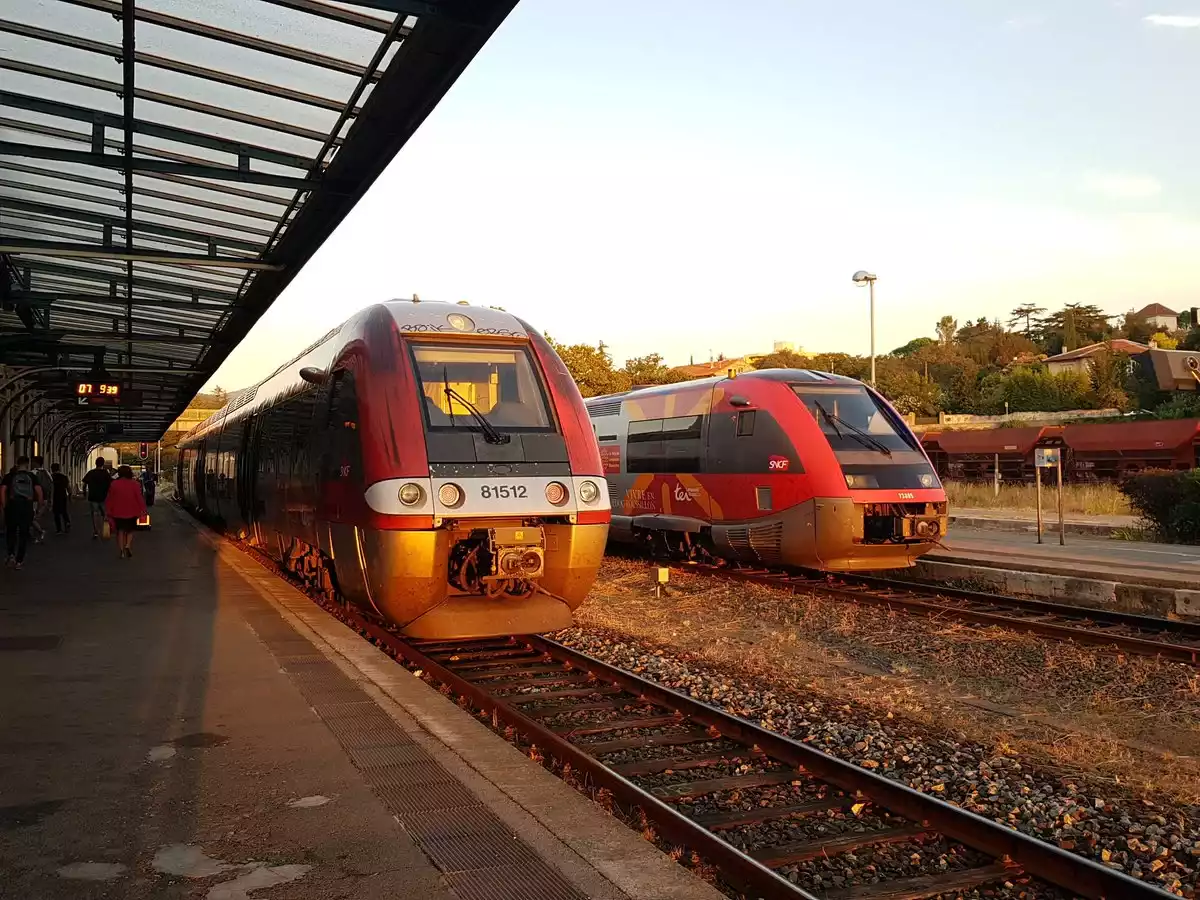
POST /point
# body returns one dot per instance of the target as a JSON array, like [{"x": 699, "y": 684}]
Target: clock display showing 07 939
[{"x": 98, "y": 391}]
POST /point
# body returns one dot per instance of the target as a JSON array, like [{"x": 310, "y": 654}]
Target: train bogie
[{"x": 425, "y": 462}]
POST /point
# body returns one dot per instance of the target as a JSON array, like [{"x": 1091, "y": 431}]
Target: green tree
[
  {"x": 650, "y": 369},
  {"x": 1134, "y": 329},
  {"x": 1026, "y": 312},
  {"x": 784, "y": 359},
  {"x": 907, "y": 390},
  {"x": 914, "y": 345},
  {"x": 591, "y": 367},
  {"x": 1033, "y": 389},
  {"x": 1073, "y": 326},
  {"x": 1109, "y": 372},
  {"x": 947, "y": 326}
]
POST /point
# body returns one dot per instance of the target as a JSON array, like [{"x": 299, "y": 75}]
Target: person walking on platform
[
  {"x": 148, "y": 486},
  {"x": 97, "y": 483},
  {"x": 61, "y": 493},
  {"x": 19, "y": 496},
  {"x": 47, "y": 485},
  {"x": 125, "y": 505}
]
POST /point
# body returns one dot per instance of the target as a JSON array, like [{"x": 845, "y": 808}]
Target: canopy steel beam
[
  {"x": 109, "y": 185},
  {"x": 100, "y": 119},
  {"x": 346, "y": 16},
  {"x": 108, "y": 161},
  {"x": 272, "y": 48},
  {"x": 45, "y": 298},
  {"x": 173, "y": 65},
  {"x": 195, "y": 106},
  {"x": 142, "y": 150},
  {"x": 102, "y": 219},
  {"x": 106, "y": 276},
  {"x": 54, "y": 336},
  {"x": 17, "y": 246}
]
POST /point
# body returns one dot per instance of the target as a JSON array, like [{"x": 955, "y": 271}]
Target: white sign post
[{"x": 1049, "y": 458}]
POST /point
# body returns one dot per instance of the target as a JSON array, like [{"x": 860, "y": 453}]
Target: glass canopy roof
[{"x": 167, "y": 166}]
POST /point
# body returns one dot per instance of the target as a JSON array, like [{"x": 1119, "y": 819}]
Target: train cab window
[
  {"x": 458, "y": 382},
  {"x": 852, "y": 419},
  {"x": 745, "y": 423}
]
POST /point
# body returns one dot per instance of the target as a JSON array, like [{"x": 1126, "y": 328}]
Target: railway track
[
  {"x": 766, "y": 811},
  {"x": 1133, "y": 633}
]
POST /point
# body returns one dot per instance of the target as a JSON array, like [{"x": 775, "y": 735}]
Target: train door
[
  {"x": 198, "y": 476},
  {"x": 340, "y": 480},
  {"x": 247, "y": 462}
]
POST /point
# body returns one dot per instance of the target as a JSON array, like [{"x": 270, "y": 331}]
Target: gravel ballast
[{"x": 1158, "y": 845}]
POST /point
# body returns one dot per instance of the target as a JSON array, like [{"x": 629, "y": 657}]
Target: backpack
[{"x": 22, "y": 485}]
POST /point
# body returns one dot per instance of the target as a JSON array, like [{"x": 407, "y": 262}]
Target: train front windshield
[
  {"x": 498, "y": 383},
  {"x": 852, "y": 419}
]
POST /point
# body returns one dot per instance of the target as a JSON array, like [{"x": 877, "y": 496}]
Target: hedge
[{"x": 1169, "y": 502}]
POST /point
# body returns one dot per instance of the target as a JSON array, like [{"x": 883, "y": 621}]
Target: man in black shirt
[
  {"x": 62, "y": 497},
  {"x": 19, "y": 496},
  {"x": 97, "y": 483}
]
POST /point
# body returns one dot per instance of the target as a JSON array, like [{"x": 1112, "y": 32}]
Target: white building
[{"x": 1158, "y": 316}]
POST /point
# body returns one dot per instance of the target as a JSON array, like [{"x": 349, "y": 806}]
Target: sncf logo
[
  {"x": 682, "y": 493},
  {"x": 778, "y": 464}
]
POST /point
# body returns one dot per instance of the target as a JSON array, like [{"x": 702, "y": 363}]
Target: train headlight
[
  {"x": 588, "y": 492},
  {"x": 556, "y": 493},
  {"x": 460, "y": 322},
  {"x": 927, "y": 480},
  {"x": 450, "y": 495},
  {"x": 860, "y": 482},
  {"x": 411, "y": 494}
]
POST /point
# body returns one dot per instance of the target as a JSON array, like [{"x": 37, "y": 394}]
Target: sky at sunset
[{"x": 679, "y": 178}]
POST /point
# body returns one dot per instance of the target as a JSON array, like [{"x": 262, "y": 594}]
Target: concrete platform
[
  {"x": 1135, "y": 576},
  {"x": 1026, "y": 521},
  {"x": 184, "y": 724}
]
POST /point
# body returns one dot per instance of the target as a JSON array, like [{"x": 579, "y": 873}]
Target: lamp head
[{"x": 862, "y": 276}]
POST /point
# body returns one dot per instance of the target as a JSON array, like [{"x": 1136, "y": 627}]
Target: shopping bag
[{"x": 106, "y": 530}]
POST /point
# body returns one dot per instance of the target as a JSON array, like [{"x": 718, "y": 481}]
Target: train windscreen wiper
[
  {"x": 490, "y": 433},
  {"x": 858, "y": 434}
]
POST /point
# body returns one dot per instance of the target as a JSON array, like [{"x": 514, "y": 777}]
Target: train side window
[{"x": 745, "y": 423}]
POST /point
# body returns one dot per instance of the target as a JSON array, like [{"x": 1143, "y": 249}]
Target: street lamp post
[{"x": 864, "y": 277}]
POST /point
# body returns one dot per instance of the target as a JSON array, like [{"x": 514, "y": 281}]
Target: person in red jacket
[{"x": 124, "y": 505}]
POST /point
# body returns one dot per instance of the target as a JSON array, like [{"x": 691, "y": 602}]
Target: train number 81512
[{"x": 503, "y": 492}]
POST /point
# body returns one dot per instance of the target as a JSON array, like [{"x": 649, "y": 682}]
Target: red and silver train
[
  {"x": 781, "y": 466},
  {"x": 431, "y": 463}
]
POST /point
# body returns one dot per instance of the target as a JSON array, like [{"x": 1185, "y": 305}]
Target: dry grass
[
  {"x": 1129, "y": 721},
  {"x": 1085, "y": 499}
]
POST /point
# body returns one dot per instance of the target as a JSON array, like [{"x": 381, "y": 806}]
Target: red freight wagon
[
  {"x": 1107, "y": 452},
  {"x": 971, "y": 455}
]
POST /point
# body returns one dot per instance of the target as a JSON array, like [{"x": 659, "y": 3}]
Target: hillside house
[
  {"x": 1077, "y": 360},
  {"x": 1159, "y": 317}
]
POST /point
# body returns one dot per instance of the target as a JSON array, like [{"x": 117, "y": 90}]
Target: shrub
[{"x": 1169, "y": 501}]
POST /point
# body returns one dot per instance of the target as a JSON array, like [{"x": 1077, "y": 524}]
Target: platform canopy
[{"x": 168, "y": 166}]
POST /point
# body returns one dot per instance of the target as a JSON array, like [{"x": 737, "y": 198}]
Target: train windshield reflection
[
  {"x": 852, "y": 407},
  {"x": 499, "y": 382}
]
